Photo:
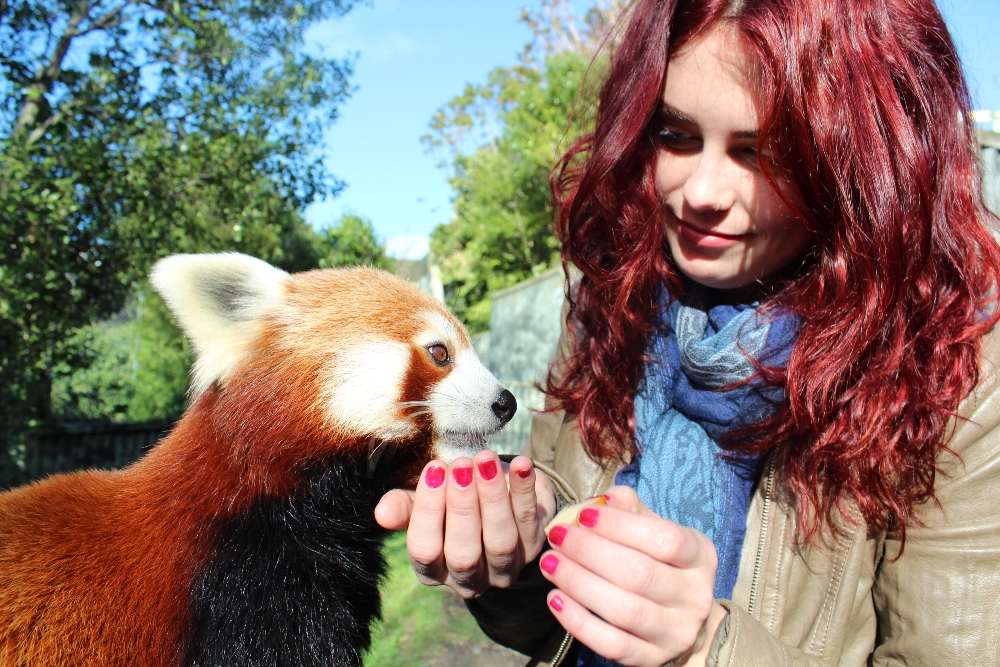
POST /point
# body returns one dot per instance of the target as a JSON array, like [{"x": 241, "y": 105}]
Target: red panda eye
[{"x": 439, "y": 353}]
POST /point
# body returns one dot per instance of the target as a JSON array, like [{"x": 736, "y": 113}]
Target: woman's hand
[
  {"x": 650, "y": 580},
  {"x": 466, "y": 530}
]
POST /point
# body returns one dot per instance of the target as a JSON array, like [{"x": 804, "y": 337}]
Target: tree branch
[{"x": 47, "y": 75}]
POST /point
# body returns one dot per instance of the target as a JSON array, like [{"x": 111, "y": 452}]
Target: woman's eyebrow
[{"x": 669, "y": 112}]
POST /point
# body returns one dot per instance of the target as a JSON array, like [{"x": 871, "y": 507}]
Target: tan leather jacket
[{"x": 847, "y": 602}]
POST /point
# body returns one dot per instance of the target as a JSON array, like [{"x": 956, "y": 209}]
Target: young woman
[{"x": 780, "y": 354}]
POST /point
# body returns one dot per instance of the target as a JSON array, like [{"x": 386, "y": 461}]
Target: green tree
[
  {"x": 135, "y": 365},
  {"x": 351, "y": 241},
  {"x": 133, "y": 129},
  {"x": 503, "y": 137}
]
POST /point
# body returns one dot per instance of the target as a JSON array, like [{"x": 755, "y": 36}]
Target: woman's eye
[
  {"x": 439, "y": 354},
  {"x": 755, "y": 159},
  {"x": 677, "y": 140}
]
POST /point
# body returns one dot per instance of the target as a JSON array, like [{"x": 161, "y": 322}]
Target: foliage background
[
  {"x": 131, "y": 130},
  {"x": 501, "y": 140}
]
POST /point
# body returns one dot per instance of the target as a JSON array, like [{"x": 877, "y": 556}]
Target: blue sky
[{"x": 415, "y": 55}]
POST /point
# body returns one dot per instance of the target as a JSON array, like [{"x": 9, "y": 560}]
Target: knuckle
[
  {"x": 468, "y": 593},
  {"x": 631, "y": 612},
  {"x": 669, "y": 542},
  {"x": 426, "y": 580},
  {"x": 468, "y": 586},
  {"x": 644, "y": 576},
  {"x": 502, "y": 567},
  {"x": 502, "y": 547},
  {"x": 688, "y": 635},
  {"x": 422, "y": 559},
  {"x": 463, "y": 565},
  {"x": 618, "y": 648},
  {"x": 525, "y": 514},
  {"x": 627, "y": 493}
]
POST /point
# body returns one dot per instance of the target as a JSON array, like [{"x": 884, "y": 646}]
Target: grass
[{"x": 417, "y": 620}]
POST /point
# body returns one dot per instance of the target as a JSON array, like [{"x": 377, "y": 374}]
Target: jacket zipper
[
  {"x": 759, "y": 561},
  {"x": 557, "y": 658}
]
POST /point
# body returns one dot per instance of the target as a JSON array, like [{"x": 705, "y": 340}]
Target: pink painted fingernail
[
  {"x": 488, "y": 469},
  {"x": 556, "y": 603},
  {"x": 434, "y": 477},
  {"x": 588, "y": 517},
  {"x": 557, "y": 535},
  {"x": 523, "y": 474},
  {"x": 549, "y": 563},
  {"x": 463, "y": 476}
]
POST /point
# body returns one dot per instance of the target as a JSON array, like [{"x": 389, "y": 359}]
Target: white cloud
[{"x": 415, "y": 246}]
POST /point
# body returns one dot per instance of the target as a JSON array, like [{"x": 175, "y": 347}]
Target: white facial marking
[
  {"x": 439, "y": 330},
  {"x": 362, "y": 392},
  {"x": 462, "y": 405}
]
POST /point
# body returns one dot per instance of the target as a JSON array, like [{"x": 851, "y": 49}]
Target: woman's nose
[{"x": 710, "y": 185}]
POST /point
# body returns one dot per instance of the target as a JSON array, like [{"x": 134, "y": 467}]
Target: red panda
[{"x": 246, "y": 536}]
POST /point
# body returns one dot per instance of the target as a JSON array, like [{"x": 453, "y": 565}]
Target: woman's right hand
[{"x": 464, "y": 528}]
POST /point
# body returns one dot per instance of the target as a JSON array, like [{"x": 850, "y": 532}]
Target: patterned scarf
[{"x": 699, "y": 385}]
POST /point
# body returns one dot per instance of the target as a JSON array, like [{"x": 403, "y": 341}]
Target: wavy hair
[{"x": 865, "y": 108}]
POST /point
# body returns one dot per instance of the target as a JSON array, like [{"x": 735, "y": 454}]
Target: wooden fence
[{"x": 67, "y": 446}]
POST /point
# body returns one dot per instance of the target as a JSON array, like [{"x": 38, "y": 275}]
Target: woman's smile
[{"x": 708, "y": 240}]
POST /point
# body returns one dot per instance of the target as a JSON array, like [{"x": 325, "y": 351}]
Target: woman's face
[{"x": 725, "y": 225}]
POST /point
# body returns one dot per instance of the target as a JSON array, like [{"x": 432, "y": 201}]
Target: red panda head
[{"x": 336, "y": 358}]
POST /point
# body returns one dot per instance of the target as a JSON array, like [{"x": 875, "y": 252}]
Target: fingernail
[
  {"x": 488, "y": 469},
  {"x": 607, "y": 499},
  {"x": 434, "y": 477},
  {"x": 549, "y": 563},
  {"x": 588, "y": 517},
  {"x": 523, "y": 474},
  {"x": 556, "y": 603},
  {"x": 557, "y": 535},
  {"x": 463, "y": 476}
]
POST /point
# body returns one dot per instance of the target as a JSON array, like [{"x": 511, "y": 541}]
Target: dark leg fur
[{"x": 295, "y": 582}]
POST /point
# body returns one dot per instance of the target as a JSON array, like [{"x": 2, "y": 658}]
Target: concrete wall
[
  {"x": 989, "y": 146},
  {"x": 524, "y": 329}
]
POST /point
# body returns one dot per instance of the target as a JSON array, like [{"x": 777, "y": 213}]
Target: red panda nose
[{"x": 505, "y": 406}]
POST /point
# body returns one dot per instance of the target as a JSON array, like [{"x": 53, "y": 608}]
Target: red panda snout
[{"x": 467, "y": 405}]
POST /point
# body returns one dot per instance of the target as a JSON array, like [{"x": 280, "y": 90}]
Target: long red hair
[{"x": 865, "y": 108}]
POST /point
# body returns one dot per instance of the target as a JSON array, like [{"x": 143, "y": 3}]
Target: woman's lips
[{"x": 713, "y": 240}]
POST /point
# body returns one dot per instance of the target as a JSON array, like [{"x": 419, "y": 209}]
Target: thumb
[
  {"x": 625, "y": 498},
  {"x": 394, "y": 509}
]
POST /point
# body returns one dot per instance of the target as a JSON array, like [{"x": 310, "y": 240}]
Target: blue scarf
[{"x": 700, "y": 384}]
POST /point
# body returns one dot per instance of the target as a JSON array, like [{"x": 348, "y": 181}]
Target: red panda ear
[{"x": 218, "y": 301}]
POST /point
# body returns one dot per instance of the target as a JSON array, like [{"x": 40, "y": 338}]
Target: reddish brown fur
[{"x": 123, "y": 546}]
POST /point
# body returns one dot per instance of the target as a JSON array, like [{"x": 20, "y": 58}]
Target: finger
[
  {"x": 663, "y": 540},
  {"x": 531, "y": 512},
  {"x": 394, "y": 509},
  {"x": 463, "y": 530},
  {"x": 599, "y": 636},
  {"x": 500, "y": 536},
  {"x": 623, "y": 609},
  {"x": 688, "y": 589},
  {"x": 425, "y": 537}
]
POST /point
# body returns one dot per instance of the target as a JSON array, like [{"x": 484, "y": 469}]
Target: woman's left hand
[{"x": 633, "y": 587}]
